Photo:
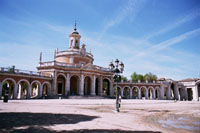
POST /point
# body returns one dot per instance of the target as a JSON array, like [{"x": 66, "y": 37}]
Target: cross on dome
[{"x": 75, "y": 26}]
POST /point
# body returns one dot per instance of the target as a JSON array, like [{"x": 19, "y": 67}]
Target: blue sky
[{"x": 158, "y": 36}]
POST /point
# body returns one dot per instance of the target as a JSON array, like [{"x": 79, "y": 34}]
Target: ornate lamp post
[{"x": 117, "y": 78}]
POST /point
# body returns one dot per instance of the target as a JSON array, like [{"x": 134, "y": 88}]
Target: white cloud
[
  {"x": 195, "y": 13},
  {"x": 61, "y": 29},
  {"x": 131, "y": 8},
  {"x": 168, "y": 42}
]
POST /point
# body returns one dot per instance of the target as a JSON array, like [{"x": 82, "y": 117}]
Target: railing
[
  {"x": 77, "y": 52},
  {"x": 68, "y": 65},
  {"x": 19, "y": 71},
  {"x": 102, "y": 68},
  {"x": 54, "y": 63},
  {"x": 142, "y": 82}
]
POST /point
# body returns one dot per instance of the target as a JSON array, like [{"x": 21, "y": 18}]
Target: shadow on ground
[
  {"x": 9, "y": 120},
  {"x": 44, "y": 130}
]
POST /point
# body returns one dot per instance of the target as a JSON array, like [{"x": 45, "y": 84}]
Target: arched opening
[
  {"x": 87, "y": 85},
  {"x": 126, "y": 93},
  {"x": 45, "y": 89},
  {"x": 172, "y": 92},
  {"x": 135, "y": 93},
  {"x": 22, "y": 91},
  {"x": 190, "y": 94},
  {"x": 150, "y": 93},
  {"x": 97, "y": 87},
  {"x": 198, "y": 87},
  {"x": 106, "y": 87},
  {"x": 60, "y": 85},
  {"x": 157, "y": 91},
  {"x": 117, "y": 89},
  {"x": 8, "y": 88},
  {"x": 143, "y": 93},
  {"x": 180, "y": 90},
  {"x": 35, "y": 89},
  {"x": 74, "y": 85},
  {"x": 165, "y": 93}
]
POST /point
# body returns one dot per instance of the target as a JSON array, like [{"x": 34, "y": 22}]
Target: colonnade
[
  {"x": 142, "y": 92},
  {"x": 23, "y": 89},
  {"x": 81, "y": 84}
]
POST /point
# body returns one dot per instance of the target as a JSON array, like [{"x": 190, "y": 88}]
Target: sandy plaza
[{"x": 98, "y": 115}]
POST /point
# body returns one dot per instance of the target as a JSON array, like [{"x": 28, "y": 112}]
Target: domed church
[{"x": 74, "y": 73}]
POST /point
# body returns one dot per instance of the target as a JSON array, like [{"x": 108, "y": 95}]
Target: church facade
[{"x": 74, "y": 73}]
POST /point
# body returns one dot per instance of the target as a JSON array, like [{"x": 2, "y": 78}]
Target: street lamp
[{"x": 117, "y": 78}]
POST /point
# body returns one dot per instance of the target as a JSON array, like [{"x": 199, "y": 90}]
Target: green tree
[
  {"x": 134, "y": 77},
  {"x": 150, "y": 77},
  {"x": 140, "y": 77},
  {"x": 11, "y": 69},
  {"x": 123, "y": 78}
]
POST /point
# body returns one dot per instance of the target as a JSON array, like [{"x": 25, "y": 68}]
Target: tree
[
  {"x": 148, "y": 76},
  {"x": 134, "y": 77},
  {"x": 11, "y": 69},
  {"x": 123, "y": 78},
  {"x": 140, "y": 77}
]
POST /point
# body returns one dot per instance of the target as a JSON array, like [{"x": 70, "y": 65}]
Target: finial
[
  {"x": 40, "y": 57},
  {"x": 55, "y": 54},
  {"x": 90, "y": 51},
  {"x": 75, "y": 26}
]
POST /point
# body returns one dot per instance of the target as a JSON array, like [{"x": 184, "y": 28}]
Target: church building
[{"x": 74, "y": 73}]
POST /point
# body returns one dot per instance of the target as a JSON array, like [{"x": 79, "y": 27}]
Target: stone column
[
  {"x": 131, "y": 94},
  {"x": 122, "y": 92},
  {"x": 67, "y": 84},
  {"x": 92, "y": 93},
  {"x": 111, "y": 89},
  {"x": 181, "y": 94},
  {"x": 168, "y": 92},
  {"x": 39, "y": 91},
  {"x": 81, "y": 88},
  {"x": 161, "y": 94},
  {"x": 15, "y": 91},
  {"x": 20, "y": 91},
  {"x": 1, "y": 89},
  {"x": 185, "y": 93},
  {"x": 101, "y": 86},
  {"x": 176, "y": 95},
  {"x": 146, "y": 93},
  {"x": 139, "y": 94},
  {"x": 158, "y": 93},
  {"x": 53, "y": 89},
  {"x": 195, "y": 93},
  {"x": 29, "y": 91},
  {"x": 153, "y": 94}
]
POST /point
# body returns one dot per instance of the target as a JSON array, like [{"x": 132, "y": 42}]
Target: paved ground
[{"x": 92, "y": 115}]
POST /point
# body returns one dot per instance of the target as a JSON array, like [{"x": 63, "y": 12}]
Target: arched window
[
  {"x": 71, "y": 43},
  {"x": 76, "y": 44}
]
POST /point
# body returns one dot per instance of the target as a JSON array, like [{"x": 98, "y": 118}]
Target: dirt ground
[{"x": 98, "y": 115}]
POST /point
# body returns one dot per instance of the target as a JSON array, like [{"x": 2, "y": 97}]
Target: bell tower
[{"x": 74, "y": 39}]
